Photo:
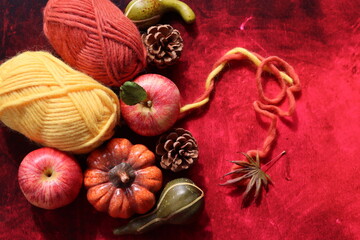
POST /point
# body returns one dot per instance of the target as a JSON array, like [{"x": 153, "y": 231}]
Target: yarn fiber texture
[
  {"x": 96, "y": 38},
  {"x": 55, "y": 105}
]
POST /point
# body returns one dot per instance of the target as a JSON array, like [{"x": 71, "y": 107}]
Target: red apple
[
  {"x": 50, "y": 178},
  {"x": 158, "y": 111}
]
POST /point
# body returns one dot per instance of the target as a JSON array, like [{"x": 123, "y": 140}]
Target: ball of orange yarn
[
  {"x": 55, "y": 105},
  {"x": 96, "y": 38}
]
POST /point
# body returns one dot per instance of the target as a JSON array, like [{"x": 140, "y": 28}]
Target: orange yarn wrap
[
  {"x": 268, "y": 107},
  {"x": 96, "y": 38}
]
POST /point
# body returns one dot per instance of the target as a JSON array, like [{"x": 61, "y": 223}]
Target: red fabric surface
[{"x": 315, "y": 194}]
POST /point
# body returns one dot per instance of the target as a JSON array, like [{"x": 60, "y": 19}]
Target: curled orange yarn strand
[{"x": 269, "y": 107}]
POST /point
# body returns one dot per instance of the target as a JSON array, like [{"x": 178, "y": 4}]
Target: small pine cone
[
  {"x": 164, "y": 45},
  {"x": 178, "y": 150}
]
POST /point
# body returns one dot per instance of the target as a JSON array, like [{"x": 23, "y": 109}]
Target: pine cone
[
  {"x": 178, "y": 150},
  {"x": 164, "y": 45}
]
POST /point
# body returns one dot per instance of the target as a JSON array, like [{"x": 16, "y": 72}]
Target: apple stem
[{"x": 148, "y": 103}]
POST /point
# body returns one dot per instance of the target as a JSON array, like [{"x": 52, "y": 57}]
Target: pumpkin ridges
[
  {"x": 99, "y": 196},
  {"x": 102, "y": 204},
  {"x": 121, "y": 198},
  {"x": 140, "y": 157},
  {"x": 100, "y": 159},
  {"x": 119, "y": 149},
  {"x": 93, "y": 177},
  {"x": 119, "y": 205},
  {"x": 149, "y": 178},
  {"x": 108, "y": 156},
  {"x": 143, "y": 199}
]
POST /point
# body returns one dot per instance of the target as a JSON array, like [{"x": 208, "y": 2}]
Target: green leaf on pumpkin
[{"x": 132, "y": 93}]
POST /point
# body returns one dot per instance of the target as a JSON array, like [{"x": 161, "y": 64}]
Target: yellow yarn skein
[{"x": 55, "y": 105}]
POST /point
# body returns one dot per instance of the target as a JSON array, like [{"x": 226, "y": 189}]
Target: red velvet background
[{"x": 316, "y": 184}]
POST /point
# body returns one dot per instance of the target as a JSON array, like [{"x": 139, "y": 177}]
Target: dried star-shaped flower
[{"x": 250, "y": 174}]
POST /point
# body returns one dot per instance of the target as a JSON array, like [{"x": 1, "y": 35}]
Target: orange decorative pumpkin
[{"x": 121, "y": 178}]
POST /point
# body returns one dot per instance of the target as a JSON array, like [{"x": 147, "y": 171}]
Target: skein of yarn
[
  {"x": 55, "y": 105},
  {"x": 96, "y": 38}
]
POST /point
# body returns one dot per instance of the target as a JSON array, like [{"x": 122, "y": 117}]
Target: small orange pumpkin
[{"x": 121, "y": 178}]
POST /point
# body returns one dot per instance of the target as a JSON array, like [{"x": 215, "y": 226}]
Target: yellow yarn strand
[
  {"x": 210, "y": 79},
  {"x": 55, "y": 105},
  {"x": 257, "y": 62}
]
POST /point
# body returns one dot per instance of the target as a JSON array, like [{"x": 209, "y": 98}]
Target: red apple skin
[
  {"x": 163, "y": 112},
  {"x": 50, "y": 178}
]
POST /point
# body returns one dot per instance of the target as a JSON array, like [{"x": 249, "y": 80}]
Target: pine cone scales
[
  {"x": 164, "y": 45},
  {"x": 178, "y": 150}
]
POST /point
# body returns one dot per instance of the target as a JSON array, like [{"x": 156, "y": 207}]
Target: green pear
[{"x": 145, "y": 13}]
